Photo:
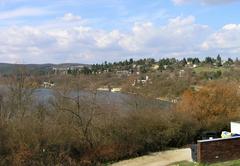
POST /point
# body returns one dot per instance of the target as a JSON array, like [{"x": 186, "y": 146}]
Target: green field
[
  {"x": 229, "y": 163},
  {"x": 210, "y": 69}
]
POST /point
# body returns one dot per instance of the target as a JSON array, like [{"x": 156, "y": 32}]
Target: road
[{"x": 165, "y": 158}]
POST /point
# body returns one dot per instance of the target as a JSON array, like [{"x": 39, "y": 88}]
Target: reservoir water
[{"x": 118, "y": 100}]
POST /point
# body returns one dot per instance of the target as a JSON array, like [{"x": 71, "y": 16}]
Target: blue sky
[{"x": 84, "y": 31}]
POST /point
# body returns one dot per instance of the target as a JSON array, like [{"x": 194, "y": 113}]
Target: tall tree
[
  {"x": 196, "y": 61},
  {"x": 209, "y": 60},
  {"x": 219, "y": 60},
  {"x": 184, "y": 62}
]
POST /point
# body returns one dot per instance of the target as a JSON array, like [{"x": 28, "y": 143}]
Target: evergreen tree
[
  {"x": 209, "y": 60},
  {"x": 131, "y": 61},
  {"x": 190, "y": 60},
  {"x": 219, "y": 60},
  {"x": 184, "y": 62},
  {"x": 196, "y": 61}
]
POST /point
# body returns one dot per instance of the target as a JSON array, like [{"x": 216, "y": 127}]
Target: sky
[{"x": 94, "y": 31}]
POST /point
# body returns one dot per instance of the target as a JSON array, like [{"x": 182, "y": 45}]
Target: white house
[
  {"x": 141, "y": 81},
  {"x": 48, "y": 85}
]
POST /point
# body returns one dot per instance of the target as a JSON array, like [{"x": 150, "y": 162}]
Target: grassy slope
[{"x": 210, "y": 69}]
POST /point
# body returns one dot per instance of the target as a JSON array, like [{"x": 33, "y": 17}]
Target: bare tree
[
  {"x": 19, "y": 93},
  {"x": 82, "y": 108}
]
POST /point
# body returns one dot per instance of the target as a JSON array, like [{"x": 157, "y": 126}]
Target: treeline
[
  {"x": 77, "y": 130},
  {"x": 144, "y": 65}
]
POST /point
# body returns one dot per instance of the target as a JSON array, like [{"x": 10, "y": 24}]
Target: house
[
  {"x": 78, "y": 67},
  {"x": 60, "y": 70},
  {"x": 189, "y": 63},
  {"x": 155, "y": 67},
  {"x": 64, "y": 70},
  {"x": 123, "y": 73},
  {"x": 116, "y": 90},
  {"x": 106, "y": 89},
  {"x": 142, "y": 81},
  {"x": 175, "y": 100},
  {"x": 48, "y": 85}
]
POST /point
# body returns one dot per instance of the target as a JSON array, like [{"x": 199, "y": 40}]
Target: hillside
[{"x": 40, "y": 69}]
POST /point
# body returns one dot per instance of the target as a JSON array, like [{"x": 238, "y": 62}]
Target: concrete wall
[{"x": 218, "y": 150}]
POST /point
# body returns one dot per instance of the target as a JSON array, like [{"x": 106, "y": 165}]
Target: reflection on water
[{"x": 117, "y": 100}]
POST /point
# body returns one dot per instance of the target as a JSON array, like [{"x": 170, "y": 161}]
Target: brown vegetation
[
  {"x": 77, "y": 130},
  {"x": 213, "y": 105}
]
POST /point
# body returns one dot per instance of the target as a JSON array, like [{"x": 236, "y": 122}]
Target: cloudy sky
[{"x": 93, "y": 31}]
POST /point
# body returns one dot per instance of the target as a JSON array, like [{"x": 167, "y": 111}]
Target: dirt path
[{"x": 159, "y": 159}]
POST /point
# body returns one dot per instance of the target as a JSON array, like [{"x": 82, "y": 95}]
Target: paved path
[{"x": 159, "y": 159}]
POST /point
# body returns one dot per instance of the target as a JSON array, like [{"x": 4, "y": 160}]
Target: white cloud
[
  {"x": 226, "y": 40},
  {"x": 179, "y": 36},
  {"x": 71, "y": 17},
  {"x": 22, "y": 12},
  {"x": 60, "y": 41},
  {"x": 179, "y": 2}
]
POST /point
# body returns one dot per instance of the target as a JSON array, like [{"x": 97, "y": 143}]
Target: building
[
  {"x": 141, "y": 81},
  {"x": 48, "y": 85},
  {"x": 124, "y": 73},
  {"x": 155, "y": 67},
  {"x": 66, "y": 69},
  {"x": 60, "y": 70},
  {"x": 226, "y": 148}
]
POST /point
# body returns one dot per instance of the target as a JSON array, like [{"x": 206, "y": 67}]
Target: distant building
[
  {"x": 124, "y": 73},
  {"x": 105, "y": 88},
  {"x": 155, "y": 67},
  {"x": 67, "y": 69},
  {"x": 60, "y": 70},
  {"x": 116, "y": 89},
  {"x": 142, "y": 81},
  {"x": 48, "y": 85},
  {"x": 79, "y": 67}
]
